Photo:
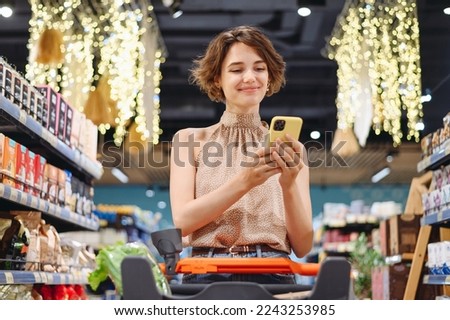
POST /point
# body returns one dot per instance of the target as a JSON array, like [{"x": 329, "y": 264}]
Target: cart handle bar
[{"x": 244, "y": 265}]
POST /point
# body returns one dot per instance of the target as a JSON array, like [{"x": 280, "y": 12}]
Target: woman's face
[{"x": 244, "y": 78}]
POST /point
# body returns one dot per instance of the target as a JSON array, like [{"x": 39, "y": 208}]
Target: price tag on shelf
[
  {"x": 14, "y": 195},
  {"x": 50, "y": 138},
  {"x": 56, "y": 211},
  {"x": 62, "y": 279},
  {"x": 42, "y": 205},
  {"x": 45, "y": 134},
  {"x": 37, "y": 277},
  {"x": 43, "y": 277},
  {"x": 2, "y": 189},
  {"x": 53, "y": 140},
  {"x": 50, "y": 278},
  {"x": 34, "y": 202},
  {"x": 440, "y": 216},
  {"x": 9, "y": 278},
  {"x": 22, "y": 117}
]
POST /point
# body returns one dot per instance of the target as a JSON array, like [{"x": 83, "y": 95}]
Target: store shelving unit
[
  {"x": 439, "y": 219},
  {"x": 21, "y": 127},
  {"x": 18, "y": 125},
  {"x": 33, "y": 277},
  {"x": 360, "y": 223},
  {"x": 17, "y": 198}
]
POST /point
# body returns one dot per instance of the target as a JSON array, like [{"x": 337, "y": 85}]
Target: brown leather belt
[{"x": 233, "y": 250}]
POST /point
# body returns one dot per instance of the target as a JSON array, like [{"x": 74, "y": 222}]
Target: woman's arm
[
  {"x": 189, "y": 213},
  {"x": 294, "y": 182}
]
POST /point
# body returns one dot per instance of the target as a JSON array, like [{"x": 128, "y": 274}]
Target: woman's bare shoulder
[{"x": 195, "y": 134}]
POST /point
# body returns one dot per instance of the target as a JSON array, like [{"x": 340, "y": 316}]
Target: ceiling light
[
  {"x": 383, "y": 173},
  {"x": 174, "y": 7},
  {"x": 304, "y": 11},
  {"x": 447, "y": 11},
  {"x": 120, "y": 175},
  {"x": 6, "y": 9},
  {"x": 314, "y": 134},
  {"x": 175, "y": 12}
]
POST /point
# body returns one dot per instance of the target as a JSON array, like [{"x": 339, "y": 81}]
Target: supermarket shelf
[
  {"x": 441, "y": 217},
  {"x": 352, "y": 221},
  {"x": 439, "y": 279},
  {"x": 24, "y": 123},
  {"x": 50, "y": 209},
  {"x": 114, "y": 219},
  {"x": 435, "y": 160},
  {"x": 339, "y": 247},
  {"x": 32, "y": 277}
]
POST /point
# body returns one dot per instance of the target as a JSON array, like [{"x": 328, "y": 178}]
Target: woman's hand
[
  {"x": 288, "y": 156},
  {"x": 259, "y": 168}
]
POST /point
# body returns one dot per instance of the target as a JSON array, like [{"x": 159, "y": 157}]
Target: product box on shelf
[
  {"x": 77, "y": 120},
  {"x": 39, "y": 175},
  {"x": 404, "y": 229},
  {"x": 2, "y": 77},
  {"x": 25, "y": 96},
  {"x": 49, "y": 111},
  {"x": 69, "y": 118},
  {"x": 61, "y": 116},
  {"x": 40, "y": 106},
  {"x": 83, "y": 135},
  {"x": 7, "y": 160},
  {"x": 72, "y": 201},
  {"x": 90, "y": 148},
  {"x": 61, "y": 187},
  {"x": 30, "y": 158},
  {"x": 52, "y": 176},
  {"x": 31, "y": 102},
  {"x": 9, "y": 78},
  {"x": 20, "y": 166},
  {"x": 68, "y": 190},
  {"x": 80, "y": 197},
  {"x": 439, "y": 257},
  {"x": 17, "y": 89}
]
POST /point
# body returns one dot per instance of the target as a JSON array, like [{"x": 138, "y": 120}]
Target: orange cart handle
[{"x": 244, "y": 265}]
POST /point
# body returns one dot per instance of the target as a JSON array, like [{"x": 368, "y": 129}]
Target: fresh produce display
[{"x": 109, "y": 260}]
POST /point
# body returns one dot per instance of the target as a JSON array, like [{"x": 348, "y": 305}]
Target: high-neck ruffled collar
[{"x": 243, "y": 120}]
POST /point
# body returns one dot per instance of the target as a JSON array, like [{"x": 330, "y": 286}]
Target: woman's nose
[{"x": 249, "y": 76}]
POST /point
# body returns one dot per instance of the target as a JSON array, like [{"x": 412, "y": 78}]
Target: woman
[{"x": 230, "y": 196}]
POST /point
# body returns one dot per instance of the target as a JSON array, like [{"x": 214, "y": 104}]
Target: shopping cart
[{"x": 332, "y": 276}]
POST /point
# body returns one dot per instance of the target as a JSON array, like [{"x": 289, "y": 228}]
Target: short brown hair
[{"x": 208, "y": 67}]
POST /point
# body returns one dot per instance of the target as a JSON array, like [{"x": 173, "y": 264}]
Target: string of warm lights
[
  {"x": 101, "y": 38},
  {"x": 380, "y": 37}
]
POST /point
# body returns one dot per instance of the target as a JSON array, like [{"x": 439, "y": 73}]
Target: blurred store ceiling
[{"x": 311, "y": 78}]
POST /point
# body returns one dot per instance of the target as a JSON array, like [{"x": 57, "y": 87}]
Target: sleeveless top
[{"x": 257, "y": 217}]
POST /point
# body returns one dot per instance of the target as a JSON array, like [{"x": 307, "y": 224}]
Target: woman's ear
[{"x": 217, "y": 82}]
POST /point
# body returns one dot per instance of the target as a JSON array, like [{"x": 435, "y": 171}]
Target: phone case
[{"x": 291, "y": 126}]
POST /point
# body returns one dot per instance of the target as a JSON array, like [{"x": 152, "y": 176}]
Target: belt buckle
[{"x": 245, "y": 249}]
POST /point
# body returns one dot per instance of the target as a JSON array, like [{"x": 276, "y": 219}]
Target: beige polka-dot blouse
[{"x": 258, "y": 217}]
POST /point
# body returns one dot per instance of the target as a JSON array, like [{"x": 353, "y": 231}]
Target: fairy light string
[
  {"x": 101, "y": 38},
  {"x": 384, "y": 35}
]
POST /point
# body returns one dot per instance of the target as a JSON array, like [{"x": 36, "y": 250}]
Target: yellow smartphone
[{"x": 280, "y": 125}]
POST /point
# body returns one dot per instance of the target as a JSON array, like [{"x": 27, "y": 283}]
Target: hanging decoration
[
  {"x": 376, "y": 46},
  {"x": 104, "y": 64},
  {"x": 50, "y": 47}
]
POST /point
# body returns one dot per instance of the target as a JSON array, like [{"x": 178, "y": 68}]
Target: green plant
[{"x": 363, "y": 259}]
